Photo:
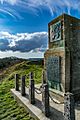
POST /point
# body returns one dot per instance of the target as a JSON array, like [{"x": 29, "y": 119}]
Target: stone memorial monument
[{"x": 62, "y": 59}]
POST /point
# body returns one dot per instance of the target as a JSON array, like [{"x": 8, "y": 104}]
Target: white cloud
[
  {"x": 25, "y": 41},
  {"x": 53, "y": 6},
  {"x": 18, "y": 54},
  {"x": 7, "y": 12},
  {"x": 12, "y": 2},
  {"x": 11, "y": 12},
  {"x": 56, "y": 6}
]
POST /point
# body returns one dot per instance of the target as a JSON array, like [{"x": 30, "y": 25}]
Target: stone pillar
[
  {"x": 69, "y": 107},
  {"x": 16, "y": 82},
  {"x": 31, "y": 89},
  {"x": 45, "y": 100},
  {"x": 23, "y": 86}
]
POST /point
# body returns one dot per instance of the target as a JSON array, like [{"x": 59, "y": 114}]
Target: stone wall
[{"x": 72, "y": 43}]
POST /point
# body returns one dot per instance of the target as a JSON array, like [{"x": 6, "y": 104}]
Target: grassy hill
[{"x": 9, "y": 109}]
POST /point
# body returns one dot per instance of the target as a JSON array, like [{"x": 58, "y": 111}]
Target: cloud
[
  {"x": 10, "y": 12},
  {"x": 36, "y": 6},
  {"x": 24, "y": 55},
  {"x": 12, "y": 2},
  {"x": 56, "y": 6},
  {"x": 23, "y": 42}
]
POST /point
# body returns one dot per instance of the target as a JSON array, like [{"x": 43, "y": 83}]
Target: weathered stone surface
[
  {"x": 69, "y": 107},
  {"x": 45, "y": 100},
  {"x": 53, "y": 71},
  {"x": 56, "y": 110},
  {"x": 68, "y": 48},
  {"x": 72, "y": 43}
]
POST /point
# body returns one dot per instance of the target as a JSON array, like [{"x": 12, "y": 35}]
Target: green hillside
[{"x": 9, "y": 109}]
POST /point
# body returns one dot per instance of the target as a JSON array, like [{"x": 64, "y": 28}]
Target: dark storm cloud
[{"x": 23, "y": 42}]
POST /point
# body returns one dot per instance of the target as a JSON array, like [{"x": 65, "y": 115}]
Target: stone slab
[
  {"x": 56, "y": 109},
  {"x": 56, "y": 112}
]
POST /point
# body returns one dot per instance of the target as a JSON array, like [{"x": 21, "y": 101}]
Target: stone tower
[{"x": 62, "y": 59}]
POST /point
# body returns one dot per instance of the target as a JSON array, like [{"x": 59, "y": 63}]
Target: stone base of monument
[
  {"x": 56, "y": 108},
  {"x": 57, "y": 95}
]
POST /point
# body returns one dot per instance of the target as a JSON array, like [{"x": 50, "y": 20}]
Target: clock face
[{"x": 55, "y": 32}]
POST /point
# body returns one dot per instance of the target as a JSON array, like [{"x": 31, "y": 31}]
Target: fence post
[
  {"x": 45, "y": 100},
  {"x": 31, "y": 89},
  {"x": 69, "y": 110},
  {"x": 16, "y": 82},
  {"x": 23, "y": 86},
  {"x": 43, "y": 77}
]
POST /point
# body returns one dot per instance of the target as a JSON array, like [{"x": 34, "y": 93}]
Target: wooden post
[
  {"x": 23, "y": 86},
  {"x": 45, "y": 100},
  {"x": 69, "y": 110},
  {"x": 31, "y": 89},
  {"x": 16, "y": 82}
]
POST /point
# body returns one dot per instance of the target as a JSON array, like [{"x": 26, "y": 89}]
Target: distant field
[{"x": 9, "y": 109}]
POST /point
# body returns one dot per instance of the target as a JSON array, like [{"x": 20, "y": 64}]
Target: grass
[{"x": 9, "y": 109}]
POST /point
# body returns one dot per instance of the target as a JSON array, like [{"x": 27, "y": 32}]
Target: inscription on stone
[
  {"x": 53, "y": 71},
  {"x": 55, "y": 32}
]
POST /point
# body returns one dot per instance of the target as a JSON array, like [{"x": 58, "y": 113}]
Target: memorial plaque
[
  {"x": 53, "y": 72},
  {"x": 55, "y": 32}
]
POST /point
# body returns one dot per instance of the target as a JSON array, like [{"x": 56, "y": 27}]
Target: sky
[{"x": 24, "y": 25}]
